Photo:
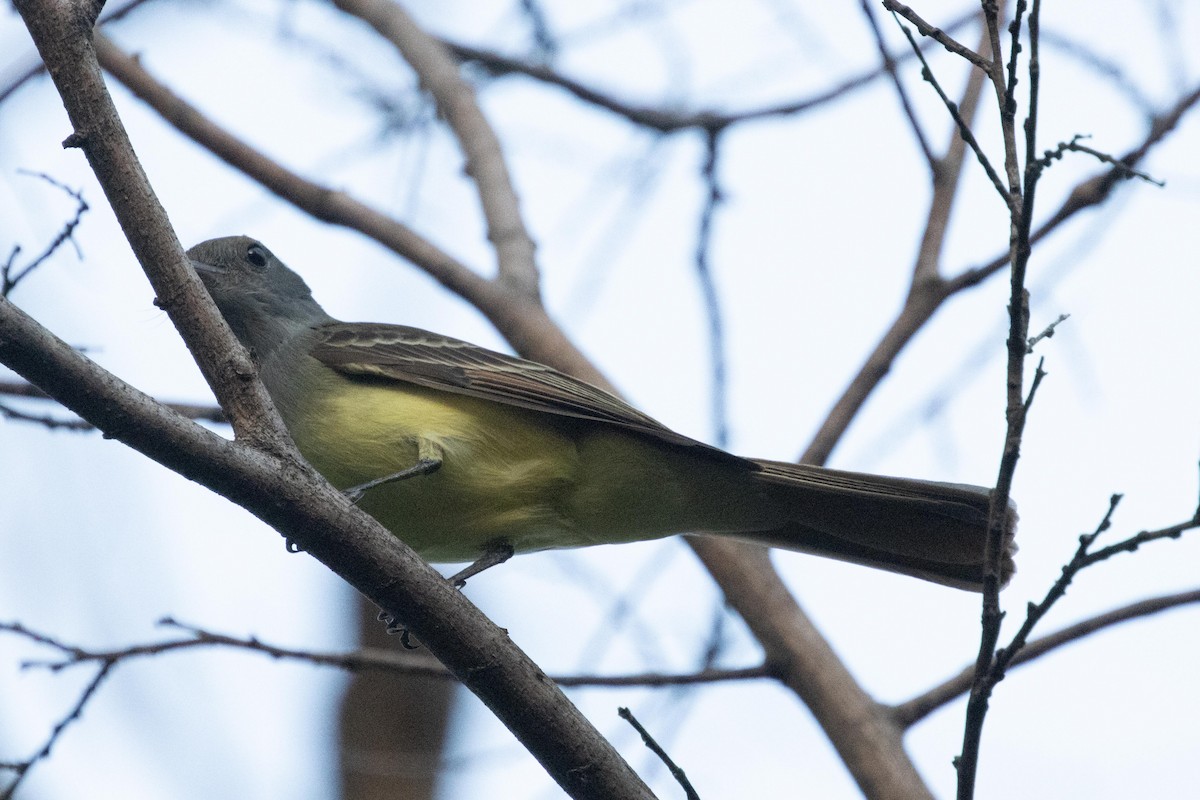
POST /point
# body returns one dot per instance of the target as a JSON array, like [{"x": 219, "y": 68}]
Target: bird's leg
[
  {"x": 496, "y": 553},
  {"x": 429, "y": 459}
]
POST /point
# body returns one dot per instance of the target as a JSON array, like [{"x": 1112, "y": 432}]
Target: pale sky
[{"x": 812, "y": 251}]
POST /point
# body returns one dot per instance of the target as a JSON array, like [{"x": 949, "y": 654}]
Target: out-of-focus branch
[
  {"x": 927, "y": 296},
  {"x": 912, "y": 711},
  {"x": 708, "y": 286},
  {"x": 926, "y": 292},
  {"x": 667, "y": 120},
  {"x": 407, "y": 662},
  {"x": 864, "y": 735},
  {"x": 533, "y": 334},
  {"x": 196, "y": 411},
  {"x": 888, "y": 64},
  {"x": 521, "y": 319},
  {"x": 439, "y": 74},
  {"x": 259, "y": 471}
]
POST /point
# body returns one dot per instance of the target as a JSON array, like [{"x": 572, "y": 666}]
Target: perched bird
[{"x": 461, "y": 451}]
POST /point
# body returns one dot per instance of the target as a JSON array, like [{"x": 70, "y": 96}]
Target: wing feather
[{"x": 422, "y": 358}]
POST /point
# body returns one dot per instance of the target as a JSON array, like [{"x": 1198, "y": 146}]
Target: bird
[{"x": 469, "y": 454}]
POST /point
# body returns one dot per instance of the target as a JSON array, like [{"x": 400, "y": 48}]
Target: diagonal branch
[
  {"x": 455, "y": 99},
  {"x": 256, "y": 473},
  {"x": 913, "y": 711},
  {"x": 939, "y": 35},
  {"x": 666, "y": 120},
  {"x": 889, "y": 66},
  {"x": 522, "y": 321}
]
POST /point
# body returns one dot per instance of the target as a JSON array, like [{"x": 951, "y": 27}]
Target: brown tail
[{"x": 935, "y": 531}]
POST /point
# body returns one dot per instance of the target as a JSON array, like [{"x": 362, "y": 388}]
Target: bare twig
[
  {"x": 1074, "y": 146},
  {"x": 1084, "y": 557},
  {"x": 912, "y": 711},
  {"x": 1035, "y": 611},
  {"x": 1046, "y": 333},
  {"x": 408, "y": 662},
  {"x": 939, "y": 35},
  {"x": 667, "y": 120},
  {"x": 1090, "y": 192},
  {"x": 964, "y": 128},
  {"x": 10, "y": 276},
  {"x": 708, "y": 288},
  {"x": 22, "y": 768},
  {"x": 455, "y": 99},
  {"x": 676, "y": 771},
  {"x": 889, "y": 66},
  {"x": 1021, "y": 196},
  {"x": 197, "y": 411}
]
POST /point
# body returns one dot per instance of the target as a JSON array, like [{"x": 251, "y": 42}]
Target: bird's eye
[{"x": 256, "y": 254}]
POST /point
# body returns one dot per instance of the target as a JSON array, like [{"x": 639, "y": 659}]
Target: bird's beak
[{"x": 202, "y": 268}]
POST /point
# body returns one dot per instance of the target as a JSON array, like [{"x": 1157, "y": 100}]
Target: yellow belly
[{"x": 533, "y": 480}]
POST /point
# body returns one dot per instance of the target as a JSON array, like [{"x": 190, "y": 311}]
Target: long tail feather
[{"x": 935, "y": 531}]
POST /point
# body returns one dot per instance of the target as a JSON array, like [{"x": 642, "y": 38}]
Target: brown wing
[{"x": 422, "y": 358}]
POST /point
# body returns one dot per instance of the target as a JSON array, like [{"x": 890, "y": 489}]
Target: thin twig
[
  {"x": 1074, "y": 146},
  {"x": 22, "y": 768},
  {"x": 964, "y": 128},
  {"x": 485, "y": 163},
  {"x": 912, "y": 711},
  {"x": 367, "y": 659},
  {"x": 939, "y": 35},
  {"x": 1020, "y": 197},
  {"x": 664, "y": 119},
  {"x": 648, "y": 740},
  {"x": 1046, "y": 333},
  {"x": 889, "y": 66},
  {"x": 1089, "y": 192},
  {"x": 203, "y": 412},
  {"x": 9, "y": 275},
  {"x": 708, "y": 288}
]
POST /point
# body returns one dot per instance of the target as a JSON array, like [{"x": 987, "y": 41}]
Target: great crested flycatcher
[{"x": 458, "y": 450}]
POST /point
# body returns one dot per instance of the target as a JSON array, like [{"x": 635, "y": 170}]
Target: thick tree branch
[
  {"x": 292, "y": 498},
  {"x": 528, "y": 328},
  {"x": 864, "y": 735},
  {"x": 519, "y": 318},
  {"x": 265, "y": 479},
  {"x": 60, "y": 32}
]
